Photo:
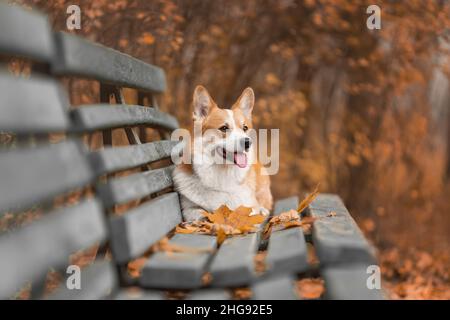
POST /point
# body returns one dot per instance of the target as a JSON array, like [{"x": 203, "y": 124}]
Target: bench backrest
[{"x": 35, "y": 173}]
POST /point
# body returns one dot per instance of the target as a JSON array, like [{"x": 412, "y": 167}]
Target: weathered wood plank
[
  {"x": 28, "y": 253},
  {"x": 98, "y": 281},
  {"x": 135, "y": 186},
  {"x": 274, "y": 288},
  {"x": 32, "y": 105},
  {"x": 105, "y": 116},
  {"x": 349, "y": 282},
  {"x": 233, "y": 264},
  {"x": 109, "y": 160},
  {"x": 31, "y": 175},
  {"x": 80, "y": 57},
  {"x": 179, "y": 270},
  {"x": 337, "y": 238},
  {"x": 286, "y": 252},
  {"x": 25, "y": 33},
  {"x": 209, "y": 294},
  {"x": 134, "y": 232},
  {"x": 285, "y": 204}
]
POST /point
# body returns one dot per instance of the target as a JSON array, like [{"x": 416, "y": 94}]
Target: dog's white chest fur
[{"x": 209, "y": 187}]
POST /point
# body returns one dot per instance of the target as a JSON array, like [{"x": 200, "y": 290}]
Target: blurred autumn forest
[{"x": 362, "y": 112}]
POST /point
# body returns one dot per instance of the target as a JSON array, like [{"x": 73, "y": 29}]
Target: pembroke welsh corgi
[{"x": 224, "y": 169}]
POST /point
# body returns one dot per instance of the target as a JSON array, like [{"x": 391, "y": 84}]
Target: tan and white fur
[{"x": 237, "y": 180}]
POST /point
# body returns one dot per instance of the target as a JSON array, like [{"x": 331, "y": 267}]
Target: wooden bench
[{"x": 34, "y": 172}]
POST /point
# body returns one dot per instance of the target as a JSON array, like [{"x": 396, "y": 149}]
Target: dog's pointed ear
[
  {"x": 246, "y": 102},
  {"x": 202, "y": 103}
]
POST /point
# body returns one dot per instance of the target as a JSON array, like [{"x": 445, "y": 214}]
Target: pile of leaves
[{"x": 224, "y": 222}]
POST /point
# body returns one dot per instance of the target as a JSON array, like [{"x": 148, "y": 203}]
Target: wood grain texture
[
  {"x": 36, "y": 105},
  {"x": 134, "y": 232},
  {"x": 79, "y": 57},
  {"x": 337, "y": 238},
  {"x": 28, "y": 253},
  {"x": 179, "y": 270},
  {"x": 25, "y": 33},
  {"x": 109, "y": 160},
  {"x": 30, "y": 175},
  {"x": 105, "y": 116},
  {"x": 135, "y": 186},
  {"x": 233, "y": 263}
]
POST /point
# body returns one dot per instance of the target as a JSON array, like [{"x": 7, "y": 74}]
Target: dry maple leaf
[
  {"x": 238, "y": 219},
  {"x": 307, "y": 201},
  {"x": 221, "y": 236}
]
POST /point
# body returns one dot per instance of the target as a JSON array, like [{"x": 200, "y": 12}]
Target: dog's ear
[
  {"x": 202, "y": 103},
  {"x": 246, "y": 102}
]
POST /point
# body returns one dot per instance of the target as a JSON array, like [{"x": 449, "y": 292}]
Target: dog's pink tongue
[{"x": 240, "y": 159}]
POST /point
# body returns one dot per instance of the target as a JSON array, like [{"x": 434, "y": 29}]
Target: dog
[{"x": 224, "y": 169}]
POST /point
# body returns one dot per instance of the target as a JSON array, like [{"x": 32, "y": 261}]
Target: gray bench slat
[
  {"x": 287, "y": 252},
  {"x": 209, "y": 294},
  {"x": 233, "y": 263},
  {"x": 285, "y": 204},
  {"x": 109, "y": 160},
  {"x": 32, "y": 105},
  {"x": 179, "y": 270},
  {"x": 38, "y": 174},
  {"x": 349, "y": 282},
  {"x": 136, "y": 293},
  {"x": 274, "y": 288},
  {"x": 98, "y": 281},
  {"x": 337, "y": 239},
  {"x": 106, "y": 116},
  {"x": 134, "y": 232},
  {"x": 135, "y": 186},
  {"x": 80, "y": 57},
  {"x": 28, "y": 253},
  {"x": 25, "y": 33}
]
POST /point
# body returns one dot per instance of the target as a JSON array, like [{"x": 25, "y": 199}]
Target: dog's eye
[
  {"x": 245, "y": 128},
  {"x": 223, "y": 128}
]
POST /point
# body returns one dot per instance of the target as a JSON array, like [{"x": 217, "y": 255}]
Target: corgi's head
[{"x": 225, "y": 133}]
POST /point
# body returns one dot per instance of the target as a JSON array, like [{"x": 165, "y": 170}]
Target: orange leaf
[
  {"x": 221, "y": 236},
  {"x": 307, "y": 201}
]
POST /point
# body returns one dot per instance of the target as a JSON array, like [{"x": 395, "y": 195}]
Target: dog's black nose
[{"x": 246, "y": 143}]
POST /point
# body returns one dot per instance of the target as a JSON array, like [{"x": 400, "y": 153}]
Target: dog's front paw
[
  {"x": 260, "y": 210},
  {"x": 264, "y": 211}
]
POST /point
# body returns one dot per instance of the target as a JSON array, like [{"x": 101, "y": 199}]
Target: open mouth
[{"x": 238, "y": 158}]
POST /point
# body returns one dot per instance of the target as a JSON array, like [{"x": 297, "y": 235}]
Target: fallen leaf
[
  {"x": 331, "y": 214},
  {"x": 135, "y": 266},
  {"x": 307, "y": 201},
  {"x": 221, "y": 236},
  {"x": 238, "y": 219}
]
